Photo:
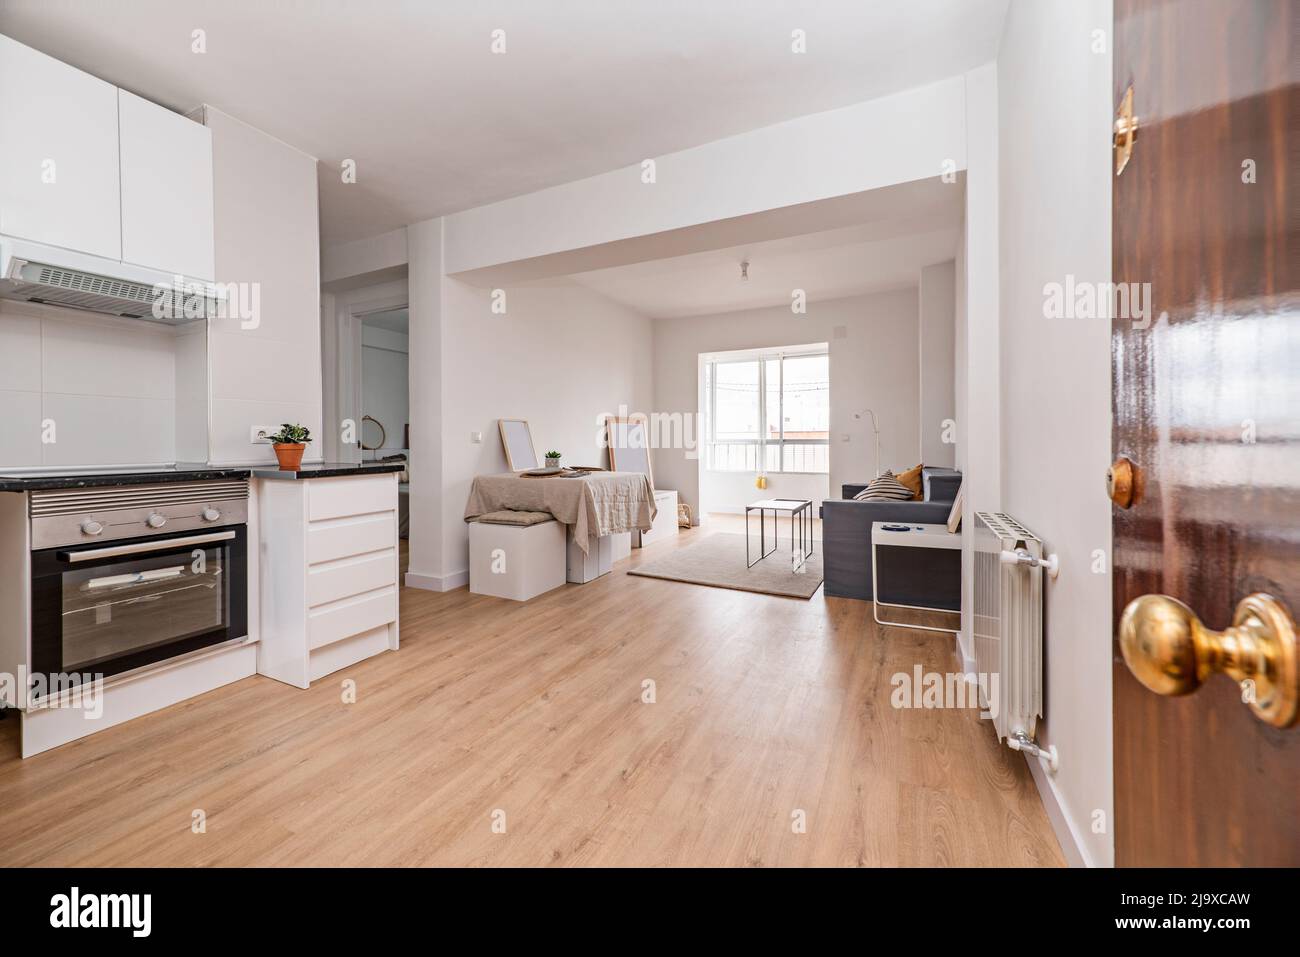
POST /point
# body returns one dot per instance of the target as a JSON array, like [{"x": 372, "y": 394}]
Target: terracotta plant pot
[{"x": 290, "y": 454}]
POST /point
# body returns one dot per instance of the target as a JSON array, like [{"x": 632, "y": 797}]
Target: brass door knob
[
  {"x": 1122, "y": 482},
  {"x": 1169, "y": 650}
]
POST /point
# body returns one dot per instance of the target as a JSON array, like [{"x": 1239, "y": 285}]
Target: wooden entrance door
[{"x": 1206, "y": 406}]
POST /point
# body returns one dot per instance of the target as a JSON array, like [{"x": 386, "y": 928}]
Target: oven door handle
[{"x": 140, "y": 548}]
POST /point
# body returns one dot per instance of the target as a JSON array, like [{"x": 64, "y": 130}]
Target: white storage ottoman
[{"x": 514, "y": 561}]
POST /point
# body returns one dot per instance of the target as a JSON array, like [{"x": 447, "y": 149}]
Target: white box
[
  {"x": 596, "y": 561},
  {"x": 516, "y": 562},
  {"x": 620, "y": 546},
  {"x": 665, "y": 523}
]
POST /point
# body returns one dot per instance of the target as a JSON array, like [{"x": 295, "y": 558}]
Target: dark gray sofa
[{"x": 846, "y": 539}]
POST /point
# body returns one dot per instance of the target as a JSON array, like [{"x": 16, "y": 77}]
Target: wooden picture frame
[
  {"x": 510, "y": 431},
  {"x": 635, "y": 458},
  {"x": 954, "y": 514}
]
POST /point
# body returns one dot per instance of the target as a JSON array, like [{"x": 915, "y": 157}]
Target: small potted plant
[
  {"x": 290, "y": 443},
  {"x": 552, "y": 460}
]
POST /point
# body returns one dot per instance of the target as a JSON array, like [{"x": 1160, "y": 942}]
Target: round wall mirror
[{"x": 373, "y": 434}]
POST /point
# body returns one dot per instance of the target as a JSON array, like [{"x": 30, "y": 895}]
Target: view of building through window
[{"x": 769, "y": 412}]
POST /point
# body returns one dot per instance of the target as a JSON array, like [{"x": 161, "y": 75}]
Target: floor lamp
[{"x": 875, "y": 425}]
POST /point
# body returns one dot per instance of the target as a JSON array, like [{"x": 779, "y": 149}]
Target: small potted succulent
[
  {"x": 290, "y": 443},
  {"x": 552, "y": 460}
]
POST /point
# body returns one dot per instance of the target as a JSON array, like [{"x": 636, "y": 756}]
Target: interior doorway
[{"x": 384, "y": 427}]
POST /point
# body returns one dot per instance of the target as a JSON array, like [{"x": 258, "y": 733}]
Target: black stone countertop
[
  {"x": 311, "y": 470},
  {"x": 92, "y": 478}
]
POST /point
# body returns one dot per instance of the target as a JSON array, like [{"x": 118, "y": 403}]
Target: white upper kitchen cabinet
[
  {"x": 58, "y": 154},
  {"x": 166, "y": 189}
]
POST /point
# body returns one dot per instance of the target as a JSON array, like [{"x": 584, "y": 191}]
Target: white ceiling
[
  {"x": 909, "y": 226},
  {"x": 437, "y": 123}
]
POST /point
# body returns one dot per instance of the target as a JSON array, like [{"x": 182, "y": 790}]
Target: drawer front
[
  {"x": 347, "y": 578},
  {"x": 340, "y": 497},
  {"x": 343, "y": 620},
  {"x": 353, "y": 536}
]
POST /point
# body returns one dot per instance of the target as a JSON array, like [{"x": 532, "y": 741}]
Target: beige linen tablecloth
[{"x": 599, "y": 503}]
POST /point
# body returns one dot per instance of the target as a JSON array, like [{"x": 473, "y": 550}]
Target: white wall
[
  {"x": 979, "y": 426},
  {"x": 425, "y": 291},
  {"x": 365, "y": 261},
  {"x": 938, "y": 302},
  {"x": 384, "y": 375},
  {"x": 108, "y": 385},
  {"x": 612, "y": 217},
  {"x": 809, "y": 158},
  {"x": 732, "y": 491},
  {"x": 873, "y": 348},
  {"x": 1054, "y": 115},
  {"x": 264, "y": 198},
  {"x": 562, "y": 356},
  {"x": 961, "y": 390}
]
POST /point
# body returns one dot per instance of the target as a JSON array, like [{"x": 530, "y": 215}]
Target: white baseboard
[
  {"x": 140, "y": 694},
  {"x": 437, "y": 582},
  {"x": 1075, "y": 850}
]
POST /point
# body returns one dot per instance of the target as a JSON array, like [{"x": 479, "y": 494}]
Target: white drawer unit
[{"x": 329, "y": 572}]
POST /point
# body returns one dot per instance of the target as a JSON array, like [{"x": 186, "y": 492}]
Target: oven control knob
[
  {"x": 91, "y": 527},
  {"x": 210, "y": 514},
  {"x": 155, "y": 520}
]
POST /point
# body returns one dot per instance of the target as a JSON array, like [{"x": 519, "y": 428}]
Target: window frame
[{"x": 762, "y": 357}]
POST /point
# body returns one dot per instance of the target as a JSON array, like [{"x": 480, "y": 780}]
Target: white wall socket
[
  {"x": 261, "y": 434},
  {"x": 476, "y": 438}
]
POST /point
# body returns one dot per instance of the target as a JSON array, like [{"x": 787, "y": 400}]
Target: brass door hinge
[{"x": 1126, "y": 131}]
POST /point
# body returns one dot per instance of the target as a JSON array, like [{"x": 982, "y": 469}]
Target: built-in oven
[{"x": 129, "y": 576}]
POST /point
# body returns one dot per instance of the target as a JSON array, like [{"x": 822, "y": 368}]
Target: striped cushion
[{"x": 884, "y": 488}]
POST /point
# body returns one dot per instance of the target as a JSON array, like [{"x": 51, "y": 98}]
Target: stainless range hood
[{"x": 31, "y": 272}]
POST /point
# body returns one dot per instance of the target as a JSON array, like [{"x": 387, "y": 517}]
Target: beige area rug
[{"x": 719, "y": 561}]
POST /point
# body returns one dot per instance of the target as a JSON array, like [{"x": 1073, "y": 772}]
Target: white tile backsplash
[
  {"x": 109, "y": 430},
  {"x": 109, "y": 386},
  {"x": 20, "y": 352},
  {"x": 20, "y": 427},
  {"x": 89, "y": 358}
]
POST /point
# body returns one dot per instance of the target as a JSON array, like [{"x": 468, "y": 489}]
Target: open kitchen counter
[
  {"x": 315, "y": 470},
  {"x": 39, "y": 479},
  {"x": 128, "y": 591}
]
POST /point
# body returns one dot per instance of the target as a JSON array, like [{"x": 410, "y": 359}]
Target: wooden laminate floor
[{"x": 767, "y": 711}]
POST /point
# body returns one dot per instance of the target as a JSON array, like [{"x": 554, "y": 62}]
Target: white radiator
[{"x": 1008, "y": 625}]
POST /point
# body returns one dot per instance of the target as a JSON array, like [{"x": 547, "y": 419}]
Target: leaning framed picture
[
  {"x": 954, "y": 516},
  {"x": 629, "y": 444},
  {"x": 517, "y": 442}
]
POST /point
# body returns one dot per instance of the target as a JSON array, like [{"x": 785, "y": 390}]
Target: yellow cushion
[{"x": 912, "y": 479}]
